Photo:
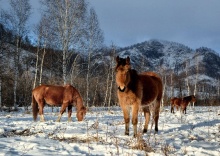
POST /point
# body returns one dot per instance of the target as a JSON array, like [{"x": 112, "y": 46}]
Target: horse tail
[{"x": 35, "y": 109}]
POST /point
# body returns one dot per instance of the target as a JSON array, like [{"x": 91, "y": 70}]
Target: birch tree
[
  {"x": 171, "y": 84},
  {"x": 197, "y": 73},
  {"x": 187, "y": 79},
  {"x": 16, "y": 20},
  {"x": 95, "y": 40},
  {"x": 67, "y": 17}
]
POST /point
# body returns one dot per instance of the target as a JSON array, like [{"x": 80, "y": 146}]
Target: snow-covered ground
[{"x": 102, "y": 133}]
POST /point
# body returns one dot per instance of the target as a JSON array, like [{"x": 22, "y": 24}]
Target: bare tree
[
  {"x": 16, "y": 20},
  {"x": 171, "y": 84},
  {"x": 187, "y": 79},
  {"x": 197, "y": 73},
  {"x": 67, "y": 17},
  {"x": 95, "y": 40}
]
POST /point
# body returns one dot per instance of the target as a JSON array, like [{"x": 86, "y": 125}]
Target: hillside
[
  {"x": 197, "y": 66},
  {"x": 183, "y": 70}
]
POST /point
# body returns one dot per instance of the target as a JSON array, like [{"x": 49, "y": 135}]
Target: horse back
[
  {"x": 152, "y": 86},
  {"x": 54, "y": 95},
  {"x": 176, "y": 101}
]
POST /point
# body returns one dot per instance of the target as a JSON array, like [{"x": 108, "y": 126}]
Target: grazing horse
[
  {"x": 137, "y": 91},
  {"x": 181, "y": 102},
  {"x": 175, "y": 102},
  {"x": 185, "y": 101},
  {"x": 64, "y": 96}
]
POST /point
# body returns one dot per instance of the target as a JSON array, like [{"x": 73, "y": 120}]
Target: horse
[
  {"x": 181, "y": 103},
  {"x": 137, "y": 91},
  {"x": 175, "y": 102},
  {"x": 64, "y": 96},
  {"x": 185, "y": 101}
]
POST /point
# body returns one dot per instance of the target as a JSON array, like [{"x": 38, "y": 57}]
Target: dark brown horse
[
  {"x": 137, "y": 91},
  {"x": 64, "y": 96},
  {"x": 185, "y": 101},
  {"x": 181, "y": 102}
]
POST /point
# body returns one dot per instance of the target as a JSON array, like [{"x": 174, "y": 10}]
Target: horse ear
[
  {"x": 117, "y": 59},
  {"x": 128, "y": 60}
]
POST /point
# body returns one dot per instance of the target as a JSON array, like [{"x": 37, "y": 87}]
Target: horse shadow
[{"x": 191, "y": 126}]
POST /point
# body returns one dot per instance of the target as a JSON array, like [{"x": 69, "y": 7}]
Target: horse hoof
[
  {"x": 135, "y": 135},
  {"x": 144, "y": 130},
  {"x": 156, "y": 129},
  {"x": 126, "y": 133}
]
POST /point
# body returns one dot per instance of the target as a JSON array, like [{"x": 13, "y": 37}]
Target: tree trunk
[
  {"x": 87, "y": 80},
  {"x": 16, "y": 57},
  {"x": 111, "y": 84},
  {"x": 42, "y": 63},
  {"x": 107, "y": 88},
  {"x": 36, "y": 64}
]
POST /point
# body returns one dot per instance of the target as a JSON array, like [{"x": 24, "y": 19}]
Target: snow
[{"x": 102, "y": 133}]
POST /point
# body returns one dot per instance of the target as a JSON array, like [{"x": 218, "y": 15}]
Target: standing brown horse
[
  {"x": 137, "y": 91},
  {"x": 64, "y": 96},
  {"x": 181, "y": 102},
  {"x": 175, "y": 102}
]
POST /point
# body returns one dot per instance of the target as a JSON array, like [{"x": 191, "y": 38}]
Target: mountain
[{"x": 197, "y": 66}]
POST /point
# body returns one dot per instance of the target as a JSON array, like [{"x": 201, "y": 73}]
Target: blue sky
[{"x": 194, "y": 23}]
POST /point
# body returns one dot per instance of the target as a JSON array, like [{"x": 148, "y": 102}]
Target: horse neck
[
  {"x": 133, "y": 79},
  {"x": 79, "y": 103}
]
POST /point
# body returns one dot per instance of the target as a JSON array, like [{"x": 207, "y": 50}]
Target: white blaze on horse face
[{"x": 122, "y": 77}]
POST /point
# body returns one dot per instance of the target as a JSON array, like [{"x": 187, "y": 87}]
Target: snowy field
[{"x": 102, "y": 133}]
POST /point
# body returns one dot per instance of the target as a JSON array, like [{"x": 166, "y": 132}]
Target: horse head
[
  {"x": 193, "y": 98},
  {"x": 81, "y": 113},
  {"x": 122, "y": 72}
]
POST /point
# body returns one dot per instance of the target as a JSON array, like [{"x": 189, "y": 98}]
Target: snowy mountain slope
[
  {"x": 187, "y": 66},
  {"x": 157, "y": 54}
]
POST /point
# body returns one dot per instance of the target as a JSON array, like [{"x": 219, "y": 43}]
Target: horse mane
[
  {"x": 133, "y": 80},
  {"x": 187, "y": 98}
]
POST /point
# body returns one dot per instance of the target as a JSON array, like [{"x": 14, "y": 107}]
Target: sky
[{"x": 195, "y": 23}]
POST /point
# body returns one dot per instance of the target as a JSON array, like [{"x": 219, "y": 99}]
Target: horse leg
[
  {"x": 185, "y": 109},
  {"x": 69, "y": 113},
  {"x": 41, "y": 112},
  {"x": 62, "y": 110},
  {"x": 125, "y": 110},
  {"x": 177, "y": 108},
  {"x": 156, "y": 114},
  {"x": 147, "y": 118},
  {"x": 135, "y": 109},
  {"x": 172, "y": 109}
]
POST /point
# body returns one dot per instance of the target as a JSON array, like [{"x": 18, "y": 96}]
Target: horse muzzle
[{"x": 121, "y": 89}]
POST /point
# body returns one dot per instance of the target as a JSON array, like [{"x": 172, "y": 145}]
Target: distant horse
[
  {"x": 185, "y": 101},
  {"x": 64, "y": 96},
  {"x": 175, "y": 102},
  {"x": 181, "y": 103},
  {"x": 137, "y": 91}
]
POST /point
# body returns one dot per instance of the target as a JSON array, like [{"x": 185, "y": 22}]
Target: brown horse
[
  {"x": 64, "y": 96},
  {"x": 181, "y": 102},
  {"x": 137, "y": 91},
  {"x": 175, "y": 102}
]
